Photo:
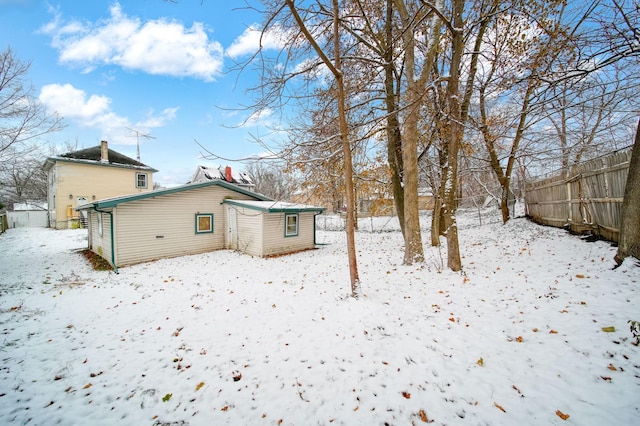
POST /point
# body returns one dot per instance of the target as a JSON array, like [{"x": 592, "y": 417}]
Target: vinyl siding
[
  {"x": 164, "y": 226},
  {"x": 97, "y": 243},
  {"x": 250, "y": 238},
  {"x": 276, "y": 243}
]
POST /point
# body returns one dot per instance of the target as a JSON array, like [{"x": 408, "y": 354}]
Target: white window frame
[
  {"x": 100, "y": 224},
  {"x": 292, "y": 232},
  {"x": 146, "y": 180}
]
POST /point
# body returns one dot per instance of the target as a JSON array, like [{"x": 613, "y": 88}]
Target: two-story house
[{"x": 90, "y": 174}]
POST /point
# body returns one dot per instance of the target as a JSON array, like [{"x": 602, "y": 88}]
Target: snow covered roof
[
  {"x": 30, "y": 205},
  {"x": 93, "y": 155},
  {"x": 274, "y": 206},
  {"x": 204, "y": 173}
]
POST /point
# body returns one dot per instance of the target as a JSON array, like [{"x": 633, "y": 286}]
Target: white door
[{"x": 232, "y": 228}]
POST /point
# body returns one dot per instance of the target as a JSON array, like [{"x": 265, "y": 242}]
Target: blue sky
[{"x": 157, "y": 67}]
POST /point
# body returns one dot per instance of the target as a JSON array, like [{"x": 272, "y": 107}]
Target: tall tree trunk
[
  {"x": 394, "y": 136},
  {"x": 437, "y": 220},
  {"x": 455, "y": 133},
  {"x": 413, "y": 240},
  {"x": 348, "y": 163},
  {"x": 336, "y": 70},
  {"x": 504, "y": 175},
  {"x": 629, "y": 240}
]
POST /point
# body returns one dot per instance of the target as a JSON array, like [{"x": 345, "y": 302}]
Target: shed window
[
  {"x": 204, "y": 223},
  {"x": 290, "y": 225},
  {"x": 141, "y": 180},
  {"x": 100, "y": 224}
]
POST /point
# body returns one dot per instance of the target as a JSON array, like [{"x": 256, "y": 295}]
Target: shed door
[{"x": 232, "y": 228}]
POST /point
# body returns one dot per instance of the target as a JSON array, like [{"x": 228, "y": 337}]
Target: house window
[
  {"x": 204, "y": 223},
  {"x": 290, "y": 225},
  {"x": 141, "y": 180},
  {"x": 100, "y": 226}
]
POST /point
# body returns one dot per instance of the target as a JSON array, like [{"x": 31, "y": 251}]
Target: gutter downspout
[{"x": 113, "y": 248}]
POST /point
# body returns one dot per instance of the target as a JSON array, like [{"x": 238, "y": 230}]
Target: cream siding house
[
  {"x": 188, "y": 219},
  {"x": 80, "y": 177}
]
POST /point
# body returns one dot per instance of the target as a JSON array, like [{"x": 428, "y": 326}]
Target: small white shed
[
  {"x": 196, "y": 218},
  {"x": 269, "y": 228}
]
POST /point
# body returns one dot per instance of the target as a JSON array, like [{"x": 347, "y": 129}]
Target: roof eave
[
  {"x": 111, "y": 203},
  {"x": 239, "y": 203},
  {"x": 52, "y": 160}
]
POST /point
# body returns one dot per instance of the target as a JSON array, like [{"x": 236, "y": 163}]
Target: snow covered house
[
  {"x": 204, "y": 174},
  {"x": 90, "y": 174},
  {"x": 196, "y": 218}
]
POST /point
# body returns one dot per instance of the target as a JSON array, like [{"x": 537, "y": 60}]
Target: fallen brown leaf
[
  {"x": 562, "y": 415},
  {"x": 516, "y": 389},
  {"x": 499, "y": 407}
]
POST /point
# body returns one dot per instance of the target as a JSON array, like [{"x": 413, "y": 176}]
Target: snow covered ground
[{"x": 224, "y": 338}]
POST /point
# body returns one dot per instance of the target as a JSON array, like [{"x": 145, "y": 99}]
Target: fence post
[{"x": 570, "y": 210}]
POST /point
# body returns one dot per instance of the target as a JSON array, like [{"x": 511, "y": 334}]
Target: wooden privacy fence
[{"x": 588, "y": 199}]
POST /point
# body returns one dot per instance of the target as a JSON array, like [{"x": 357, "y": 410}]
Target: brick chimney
[{"x": 104, "y": 152}]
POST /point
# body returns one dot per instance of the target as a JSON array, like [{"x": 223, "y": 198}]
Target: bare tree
[
  {"x": 608, "y": 35},
  {"x": 520, "y": 52},
  {"x": 24, "y": 123},
  {"x": 416, "y": 75},
  {"x": 271, "y": 179},
  {"x": 335, "y": 67},
  {"x": 23, "y": 119}
]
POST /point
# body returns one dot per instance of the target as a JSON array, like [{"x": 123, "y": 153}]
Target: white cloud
[
  {"x": 73, "y": 103},
  {"x": 95, "y": 112},
  {"x": 249, "y": 41},
  {"x": 160, "y": 47},
  {"x": 153, "y": 121}
]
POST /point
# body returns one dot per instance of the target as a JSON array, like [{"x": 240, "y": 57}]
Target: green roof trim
[
  {"x": 271, "y": 206},
  {"x": 113, "y": 202}
]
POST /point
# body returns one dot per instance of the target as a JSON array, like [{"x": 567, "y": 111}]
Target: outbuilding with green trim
[
  {"x": 196, "y": 218},
  {"x": 270, "y": 228}
]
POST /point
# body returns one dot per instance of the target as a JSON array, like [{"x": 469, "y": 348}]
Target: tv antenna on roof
[{"x": 138, "y": 135}]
